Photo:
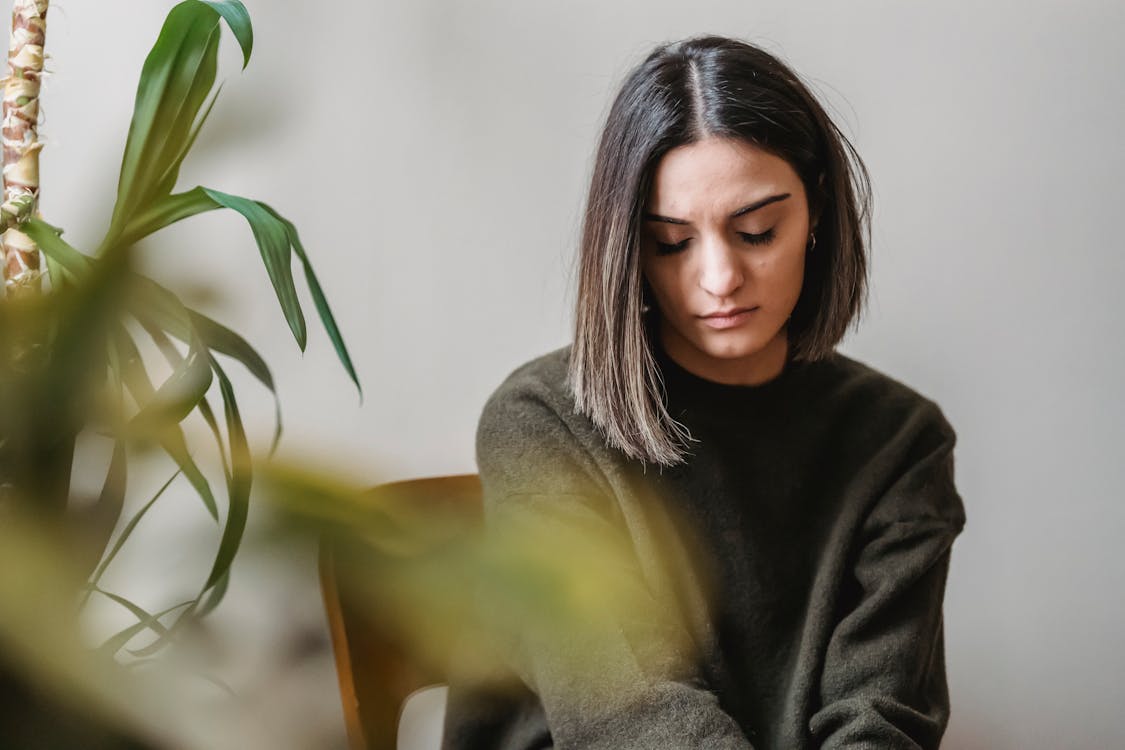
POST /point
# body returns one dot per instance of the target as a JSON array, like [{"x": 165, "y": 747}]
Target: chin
[
  {"x": 724, "y": 345},
  {"x": 732, "y": 350},
  {"x": 737, "y": 345}
]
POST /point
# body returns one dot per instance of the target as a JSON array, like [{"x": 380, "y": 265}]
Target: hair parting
[{"x": 680, "y": 93}]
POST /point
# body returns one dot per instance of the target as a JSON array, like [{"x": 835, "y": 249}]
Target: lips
[
  {"x": 728, "y": 313},
  {"x": 726, "y": 319}
]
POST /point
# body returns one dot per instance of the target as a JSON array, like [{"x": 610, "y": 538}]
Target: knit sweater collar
[{"x": 685, "y": 389}]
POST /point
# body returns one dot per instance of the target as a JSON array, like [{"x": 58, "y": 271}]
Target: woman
[{"x": 723, "y": 258}]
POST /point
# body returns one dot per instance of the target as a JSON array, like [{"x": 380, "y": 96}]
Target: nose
[{"x": 720, "y": 272}]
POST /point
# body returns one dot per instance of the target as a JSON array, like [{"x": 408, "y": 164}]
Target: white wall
[{"x": 435, "y": 157}]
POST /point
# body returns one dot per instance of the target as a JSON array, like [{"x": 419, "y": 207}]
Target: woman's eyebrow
[
  {"x": 759, "y": 204},
  {"x": 740, "y": 212}
]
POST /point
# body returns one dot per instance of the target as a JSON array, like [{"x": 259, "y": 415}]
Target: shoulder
[
  {"x": 530, "y": 432},
  {"x": 537, "y": 386},
  {"x": 899, "y": 437},
  {"x": 854, "y": 379},
  {"x": 532, "y": 399},
  {"x": 871, "y": 397}
]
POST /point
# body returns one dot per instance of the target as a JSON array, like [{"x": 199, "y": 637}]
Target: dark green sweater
[{"x": 825, "y": 509}]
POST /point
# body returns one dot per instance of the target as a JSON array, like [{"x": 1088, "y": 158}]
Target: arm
[
  {"x": 884, "y": 683},
  {"x": 624, "y": 680}
]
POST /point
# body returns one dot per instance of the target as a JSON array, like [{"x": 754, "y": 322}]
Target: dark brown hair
[{"x": 683, "y": 92}]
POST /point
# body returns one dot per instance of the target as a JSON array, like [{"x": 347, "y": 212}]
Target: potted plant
[
  {"x": 69, "y": 357},
  {"x": 70, "y": 363}
]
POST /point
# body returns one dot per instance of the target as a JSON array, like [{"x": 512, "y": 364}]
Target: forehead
[{"x": 717, "y": 174}]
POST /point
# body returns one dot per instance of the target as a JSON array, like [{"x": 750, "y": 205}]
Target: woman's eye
[
  {"x": 757, "y": 239},
  {"x": 664, "y": 248}
]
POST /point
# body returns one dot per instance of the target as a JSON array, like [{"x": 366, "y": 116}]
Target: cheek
[
  {"x": 663, "y": 281},
  {"x": 783, "y": 273}
]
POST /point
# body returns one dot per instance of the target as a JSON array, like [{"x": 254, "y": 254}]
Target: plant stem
[
  {"x": 22, "y": 273},
  {"x": 35, "y": 456}
]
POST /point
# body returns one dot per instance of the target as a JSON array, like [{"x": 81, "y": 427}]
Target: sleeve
[
  {"x": 622, "y": 678},
  {"x": 884, "y": 682}
]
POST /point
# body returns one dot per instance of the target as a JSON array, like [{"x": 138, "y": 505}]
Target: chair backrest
[{"x": 375, "y": 671}]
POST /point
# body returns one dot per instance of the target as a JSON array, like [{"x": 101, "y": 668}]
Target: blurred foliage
[
  {"x": 71, "y": 362},
  {"x": 77, "y": 343},
  {"x": 427, "y": 568},
  {"x": 433, "y": 585}
]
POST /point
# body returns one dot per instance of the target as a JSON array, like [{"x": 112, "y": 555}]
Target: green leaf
[
  {"x": 114, "y": 643},
  {"x": 221, "y": 339},
  {"x": 167, "y": 210},
  {"x": 239, "y": 492},
  {"x": 212, "y": 423},
  {"x": 179, "y": 395},
  {"x": 152, "y": 301},
  {"x": 175, "y": 359},
  {"x": 170, "y": 314},
  {"x": 75, "y": 331},
  {"x": 241, "y": 479},
  {"x": 277, "y": 239},
  {"x": 318, "y": 297},
  {"x": 199, "y": 75},
  {"x": 239, "y": 21},
  {"x": 273, "y": 244},
  {"x": 139, "y": 612},
  {"x": 171, "y": 438},
  {"x": 110, "y": 502},
  {"x": 56, "y": 273},
  {"x": 218, "y": 591},
  {"x": 55, "y": 247},
  {"x": 124, "y": 535},
  {"x": 167, "y": 181},
  {"x": 177, "y": 76},
  {"x": 175, "y": 447},
  {"x": 175, "y": 80}
]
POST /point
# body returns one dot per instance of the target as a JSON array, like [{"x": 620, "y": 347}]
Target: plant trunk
[
  {"x": 21, "y": 144},
  {"x": 35, "y": 455}
]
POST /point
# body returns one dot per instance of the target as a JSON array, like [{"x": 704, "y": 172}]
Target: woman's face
[{"x": 725, "y": 229}]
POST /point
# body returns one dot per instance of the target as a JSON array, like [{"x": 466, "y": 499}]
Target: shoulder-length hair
[{"x": 681, "y": 93}]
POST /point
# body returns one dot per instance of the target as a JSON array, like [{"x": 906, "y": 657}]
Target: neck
[{"x": 753, "y": 369}]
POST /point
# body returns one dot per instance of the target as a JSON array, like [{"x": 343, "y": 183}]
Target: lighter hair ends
[{"x": 684, "y": 92}]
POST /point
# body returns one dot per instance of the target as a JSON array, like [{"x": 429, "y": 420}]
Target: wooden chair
[{"x": 375, "y": 671}]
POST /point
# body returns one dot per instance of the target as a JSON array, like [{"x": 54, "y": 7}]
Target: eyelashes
[
  {"x": 756, "y": 239},
  {"x": 664, "y": 248}
]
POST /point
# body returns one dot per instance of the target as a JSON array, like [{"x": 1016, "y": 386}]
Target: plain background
[{"x": 435, "y": 157}]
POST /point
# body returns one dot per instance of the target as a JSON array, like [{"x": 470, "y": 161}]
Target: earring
[
  {"x": 812, "y": 243},
  {"x": 645, "y": 308}
]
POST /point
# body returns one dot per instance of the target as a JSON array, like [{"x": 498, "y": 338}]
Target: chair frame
[{"x": 375, "y": 671}]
